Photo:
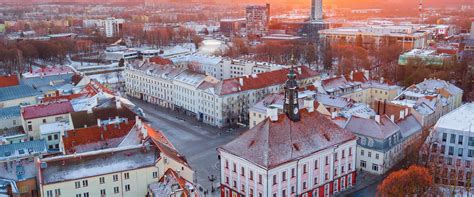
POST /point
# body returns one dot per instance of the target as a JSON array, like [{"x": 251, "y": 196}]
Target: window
[
  {"x": 234, "y": 167},
  {"x": 85, "y": 183},
  {"x": 376, "y": 156},
  {"x": 315, "y": 181},
  {"x": 115, "y": 177},
  {"x": 460, "y": 151},
  {"x": 451, "y": 150},
  {"x": 126, "y": 175},
  {"x": 78, "y": 195},
  {"x": 56, "y": 136},
  {"x": 335, "y": 156},
  {"x": 77, "y": 184},
  {"x": 326, "y": 176},
  {"x": 102, "y": 192},
  {"x": 452, "y": 139},
  {"x": 292, "y": 189},
  {"x": 293, "y": 174},
  {"x": 471, "y": 141},
  {"x": 251, "y": 175},
  {"x": 86, "y": 194},
  {"x": 327, "y": 160},
  {"x": 362, "y": 152},
  {"x": 227, "y": 180},
  {"x": 375, "y": 167},
  {"x": 260, "y": 179},
  {"x": 316, "y": 164},
  {"x": 349, "y": 166},
  {"x": 470, "y": 153},
  {"x": 460, "y": 139},
  {"x": 283, "y": 176},
  {"x": 49, "y": 193},
  {"x": 443, "y": 149},
  {"x": 274, "y": 179},
  {"x": 57, "y": 192},
  {"x": 226, "y": 164},
  {"x": 343, "y": 154},
  {"x": 350, "y": 151},
  {"x": 127, "y": 187},
  {"x": 50, "y": 137},
  {"x": 242, "y": 171},
  {"x": 369, "y": 154},
  {"x": 44, "y": 121},
  {"x": 304, "y": 169},
  {"x": 445, "y": 135},
  {"x": 116, "y": 189},
  {"x": 362, "y": 163},
  {"x": 155, "y": 175}
]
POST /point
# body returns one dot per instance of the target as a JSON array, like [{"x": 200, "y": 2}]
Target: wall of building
[
  {"x": 35, "y": 123},
  {"x": 310, "y": 173},
  {"x": 138, "y": 180}
]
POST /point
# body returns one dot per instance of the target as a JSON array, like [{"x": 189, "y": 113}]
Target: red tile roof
[
  {"x": 157, "y": 135},
  {"x": 48, "y": 71},
  {"x": 262, "y": 80},
  {"x": 94, "y": 87},
  {"x": 61, "y": 98},
  {"x": 165, "y": 146},
  {"x": 95, "y": 134},
  {"x": 161, "y": 61},
  {"x": 387, "y": 108},
  {"x": 44, "y": 110},
  {"x": 270, "y": 144},
  {"x": 9, "y": 80},
  {"x": 170, "y": 173}
]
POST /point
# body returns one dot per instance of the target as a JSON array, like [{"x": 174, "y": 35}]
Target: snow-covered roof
[
  {"x": 272, "y": 143},
  {"x": 95, "y": 163},
  {"x": 191, "y": 78},
  {"x": 461, "y": 119},
  {"x": 54, "y": 127},
  {"x": 201, "y": 59}
]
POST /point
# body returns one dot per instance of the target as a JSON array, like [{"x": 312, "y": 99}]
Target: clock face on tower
[{"x": 296, "y": 110}]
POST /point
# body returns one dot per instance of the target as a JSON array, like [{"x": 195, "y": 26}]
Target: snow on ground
[
  {"x": 210, "y": 47},
  {"x": 108, "y": 78}
]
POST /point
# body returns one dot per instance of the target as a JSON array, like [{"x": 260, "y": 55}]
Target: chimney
[
  {"x": 98, "y": 122},
  {"x": 377, "y": 119},
  {"x": 118, "y": 103},
  {"x": 309, "y": 104},
  {"x": 241, "y": 81},
  {"x": 392, "y": 118},
  {"x": 272, "y": 112},
  {"x": 333, "y": 115},
  {"x": 402, "y": 114}
]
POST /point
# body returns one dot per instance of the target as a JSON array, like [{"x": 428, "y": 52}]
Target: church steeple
[{"x": 291, "y": 106}]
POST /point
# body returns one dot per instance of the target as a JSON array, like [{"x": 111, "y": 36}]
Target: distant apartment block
[
  {"x": 258, "y": 18},
  {"x": 113, "y": 26},
  {"x": 408, "y": 36}
]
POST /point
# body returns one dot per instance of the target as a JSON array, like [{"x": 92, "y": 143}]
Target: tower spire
[{"x": 291, "y": 105}]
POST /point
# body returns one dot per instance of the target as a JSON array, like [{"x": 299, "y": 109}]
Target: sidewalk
[{"x": 363, "y": 180}]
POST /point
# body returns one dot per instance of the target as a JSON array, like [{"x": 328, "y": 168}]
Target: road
[{"x": 195, "y": 140}]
